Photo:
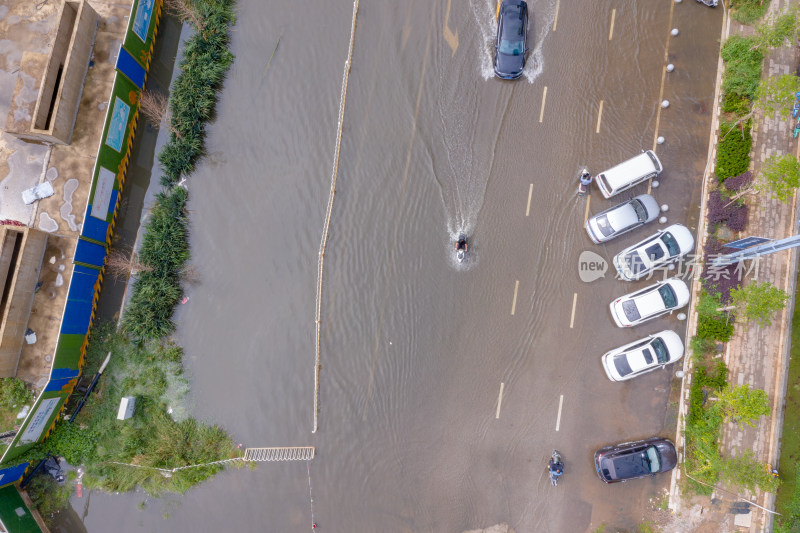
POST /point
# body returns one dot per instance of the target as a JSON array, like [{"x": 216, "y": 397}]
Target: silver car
[
  {"x": 644, "y": 355},
  {"x": 648, "y": 303},
  {"x": 662, "y": 248},
  {"x": 622, "y": 218}
]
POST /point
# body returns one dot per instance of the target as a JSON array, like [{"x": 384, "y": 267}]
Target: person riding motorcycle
[{"x": 556, "y": 469}]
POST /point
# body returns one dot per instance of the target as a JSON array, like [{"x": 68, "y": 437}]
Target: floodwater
[{"x": 416, "y": 348}]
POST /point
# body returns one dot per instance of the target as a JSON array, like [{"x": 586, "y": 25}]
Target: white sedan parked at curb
[
  {"x": 664, "y": 247},
  {"x": 648, "y": 303},
  {"x": 644, "y": 355},
  {"x": 622, "y": 218}
]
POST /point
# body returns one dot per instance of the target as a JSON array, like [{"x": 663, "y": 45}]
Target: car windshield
[
  {"x": 661, "y": 351},
  {"x": 621, "y": 364},
  {"x": 604, "y": 225},
  {"x": 641, "y": 213},
  {"x": 671, "y": 244},
  {"x": 630, "y": 310},
  {"x": 653, "y": 459},
  {"x": 512, "y": 40},
  {"x": 668, "y": 295}
]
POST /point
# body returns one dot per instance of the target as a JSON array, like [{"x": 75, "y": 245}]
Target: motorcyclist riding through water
[
  {"x": 555, "y": 468},
  {"x": 461, "y": 248}
]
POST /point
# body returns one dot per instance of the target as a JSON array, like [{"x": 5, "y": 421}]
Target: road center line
[
  {"x": 555, "y": 19},
  {"x": 558, "y": 418},
  {"x": 544, "y": 98},
  {"x": 611, "y": 31},
  {"x": 499, "y": 400},
  {"x": 574, "y": 303},
  {"x": 586, "y": 214},
  {"x": 530, "y": 194},
  {"x": 663, "y": 77},
  {"x": 599, "y": 117},
  {"x": 514, "y": 303}
]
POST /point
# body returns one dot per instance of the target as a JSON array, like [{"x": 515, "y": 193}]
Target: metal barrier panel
[{"x": 296, "y": 453}]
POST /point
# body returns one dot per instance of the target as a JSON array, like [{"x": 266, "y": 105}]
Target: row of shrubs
[
  {"x": 704, "y": 419},
  {"x": 193, "y": 97}
]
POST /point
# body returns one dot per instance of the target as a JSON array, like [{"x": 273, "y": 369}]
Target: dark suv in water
[
  {"x": 630, "y": 460},
  {"x": 512, "y": 38}
]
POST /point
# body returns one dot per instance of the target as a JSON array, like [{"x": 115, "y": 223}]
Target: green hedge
[
  {"x": 193, "y": 97},
  {"x": 733, "y": 150},
  {"x": 742, "y": 71}
]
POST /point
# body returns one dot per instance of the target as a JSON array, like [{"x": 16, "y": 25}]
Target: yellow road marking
[
  {"x": 544, "y": 99},
  {"x": 599, "y": 117},
  {"x": 499, "y": 400},
  {"x": 530, "y": 194},
  {"x": 611, "y": 30},
  {"x": 514, "y": 302},
  {"x": 497, "y": 14},
  {"x": 586, "y": 214},
  {"x": 574, "y": 303},
  {"x": 450, "y": 36},
  {"x": 663, "y": 75},
  {"x": 555, "y": 19}
]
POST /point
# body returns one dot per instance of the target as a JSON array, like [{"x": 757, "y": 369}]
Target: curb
[{"x": 702, "y": 233}]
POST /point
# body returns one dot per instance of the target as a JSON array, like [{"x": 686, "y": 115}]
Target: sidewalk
[{"x": 758, "y": 356}]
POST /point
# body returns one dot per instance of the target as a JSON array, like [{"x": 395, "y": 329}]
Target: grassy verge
[
  {"x": 159, "y": 435},
  {"x": 747, "y": 11},
  {"x": 787, "y": 501},
  {"x": 742, "y": 74},
  {"x": 13, "y": 396}
]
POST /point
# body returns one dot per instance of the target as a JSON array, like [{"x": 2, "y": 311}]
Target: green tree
[
  {"x": 780, "y": 30},
  {"x": 743, "y": 404},
  {"x": 777, "y": 94},
  {"x": 780, "y": 175},
  {"x": 758, "y": 302},
  {"x": 749, "y": 472}
]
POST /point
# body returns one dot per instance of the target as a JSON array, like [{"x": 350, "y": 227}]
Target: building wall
[
  {"x": 80, "y": 49},
  {"x": 56, "y": 59},
  {"x": 25, "y": 274}
]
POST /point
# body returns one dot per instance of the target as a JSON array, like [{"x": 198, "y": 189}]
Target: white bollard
[
  {"x": 665, "y": 103},
  {"x": 679, "y": 373},
  {"x": 664, "y": 207},
  {"x": 674, "y": 32},
  {"x": 660, "y": 140},
  {"x": 655, "y": 184},
  {"x": 670, "y": 67},
  {"x": 662, "y": 220},
  {"x": 681, "y": 316}
]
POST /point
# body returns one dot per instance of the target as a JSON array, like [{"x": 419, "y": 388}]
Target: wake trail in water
[{"x": 541, "y": 19}]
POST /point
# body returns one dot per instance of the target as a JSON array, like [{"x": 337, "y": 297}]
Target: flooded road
[{"x": 414, "y": 434}]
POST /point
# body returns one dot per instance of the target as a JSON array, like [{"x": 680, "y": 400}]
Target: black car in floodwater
[
  {"x": 512, "y": 38},
  {"x": 630, "y": 460}
]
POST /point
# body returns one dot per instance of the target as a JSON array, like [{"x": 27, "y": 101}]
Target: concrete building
[
  {"x": 49, "y": 87},
  {"x": 21, "y": 254}
]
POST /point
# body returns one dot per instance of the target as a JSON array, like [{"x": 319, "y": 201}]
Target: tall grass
[
  {"x": 742, "y": 74},
  {"x": 193, "y": 98},
  {"x": 159, "y": 435}
]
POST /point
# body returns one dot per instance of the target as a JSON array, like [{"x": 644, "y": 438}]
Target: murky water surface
[{"x": 415, "y": 346}]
